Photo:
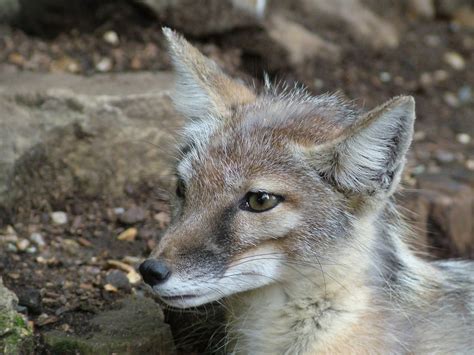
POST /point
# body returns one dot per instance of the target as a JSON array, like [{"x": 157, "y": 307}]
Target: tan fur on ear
[{"x": 201, "y": 84}]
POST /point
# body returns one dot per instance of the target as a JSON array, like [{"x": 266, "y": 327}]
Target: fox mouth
[
  {"x": 178, "y": 297},
  {"x": 185, "y": 300}
]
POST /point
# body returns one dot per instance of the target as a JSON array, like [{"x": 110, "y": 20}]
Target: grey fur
[{"x": 327, "y": 270}]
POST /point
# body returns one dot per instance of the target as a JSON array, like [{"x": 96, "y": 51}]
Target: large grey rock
[
  {"x": 64, "y": 136},
  {"x": 284, "y": 43},
  {"x": 136, "y": 327},
  {"x": 353, "y": 17},
  {"x": 15, "y": 336},
  {"x": 198, "y": 18},
  {"x": 441, "y": 212}
]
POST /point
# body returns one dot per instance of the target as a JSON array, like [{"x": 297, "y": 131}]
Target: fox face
[{"x": 269, "y": 184}]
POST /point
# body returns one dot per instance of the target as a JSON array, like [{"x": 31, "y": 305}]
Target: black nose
[{"x": 154, "y": 271}]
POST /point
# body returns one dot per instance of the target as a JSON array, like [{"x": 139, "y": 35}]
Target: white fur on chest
[{"x": 275, "y": 322}]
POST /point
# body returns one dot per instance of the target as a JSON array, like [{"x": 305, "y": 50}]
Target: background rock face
[{"x": 62, "y": 136}]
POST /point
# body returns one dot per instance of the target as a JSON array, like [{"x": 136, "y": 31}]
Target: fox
[{"x": 284, "y": 213}]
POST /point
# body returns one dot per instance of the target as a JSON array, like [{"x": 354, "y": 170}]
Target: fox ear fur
[
  {"x": 202, "y": 89},
  {"x": 369, "y": 156}
]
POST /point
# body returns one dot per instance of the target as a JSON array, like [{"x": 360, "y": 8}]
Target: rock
[
  {"x": 111, "y": 37},
  {"x": 355, "y": 18},
  {"x": 163, "y": 219},
  {"x": 447, "y": 213},
  {"x": 118, "y": 279},
  {"x": 139, "y": 322},
  {"x": 283, "y": 43},
  {"x": 196, "y": 19},
  {"x": 444, "y": 156},
  {"x": 59, "y": 217},
  {"x": 23, "y": 244},
  {"x": 38, "y": 239},
  {"x": 31, "y": 299},
  {"x": 133, "y": 215},
  {"x": 296, "y": 45},
  {"x": 465, "y": 94},
  {"x": 119, "y": 210},
  {"x": 455, "y": 60},
  {"x": 451, "y": 99},
  {"x": 63, "y": 136},
  {"x": 104, "y": 64},
  {"x": 449, "y": 8},
  {"x": 421, "y": 8},
  {"x": 15, "y": 335},
  {"x": 463, "y": 138},
  {"x": 9, "y": 10},
  {"x": 129, "y": 234}
]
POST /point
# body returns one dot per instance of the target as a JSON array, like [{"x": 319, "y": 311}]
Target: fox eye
[
  {"x": 260, "y": 201},
  {"x": 180, "y": 188}
]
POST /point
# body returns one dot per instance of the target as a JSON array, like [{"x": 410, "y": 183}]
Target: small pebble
[
  {"x": 110, "y": 288},
  {"x": 38, "y": 239},
  {"x": 134, "y": 277},
  {"x": 23, "y": 244},
  {"x": 133, "y": 215},
  {"x": 463, "y": 138},
  {"x": 465, "y": 94},
  {"x": 419, "y": 169},
  {"x": 10, "y": 230},
  {"x": 163, "y": 219},
  {"x": 470, "y": 164},
  {"x": 111, "y": 37},
  {"x": 318, "y": 84},
  {"x": 432, "y": 40},
  {"x": 118, "y": 279},
  {"x": 11, "y": 247},
  {"x": 451, "y": 99},
  {"x": 104, "y": 65},
  {"x": 455, "y": 60},
  {"x": 419, "y": 136},
  {"x": 426, "y": 79},
  {"x": 443, "y": 156},
  {"x": 59, "y": 217},
  {"x": 31, "y": 250},
  {"x": 385, "y": 77},
  {"x": 119, "y": 210},
  {"x": 129, "y": 234},
  {"x": 440, "y": 75}
]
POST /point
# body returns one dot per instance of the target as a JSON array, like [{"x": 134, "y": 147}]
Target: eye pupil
[{"x": 262, "y": 198}]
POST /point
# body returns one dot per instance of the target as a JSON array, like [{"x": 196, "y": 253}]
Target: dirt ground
[{"x": 83, "y": 266}]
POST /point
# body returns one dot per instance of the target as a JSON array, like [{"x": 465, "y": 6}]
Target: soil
[{"x": 71, "y": 269}]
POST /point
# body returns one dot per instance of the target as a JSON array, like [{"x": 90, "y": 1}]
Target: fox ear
[
  {"x": 202, "y": 89},
  {"x": 369, "y": 156}
]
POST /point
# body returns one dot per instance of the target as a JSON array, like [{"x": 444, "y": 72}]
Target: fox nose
[{"x": 154, "y": 271}]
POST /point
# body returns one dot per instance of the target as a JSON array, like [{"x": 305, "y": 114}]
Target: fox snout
[{"x": 154, "y": 271}]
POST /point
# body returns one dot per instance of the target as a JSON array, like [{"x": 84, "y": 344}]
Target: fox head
[{"x": 267, "y": 180}]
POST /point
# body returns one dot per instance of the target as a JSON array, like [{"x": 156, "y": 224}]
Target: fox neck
[{"x": 317, "y": 307}]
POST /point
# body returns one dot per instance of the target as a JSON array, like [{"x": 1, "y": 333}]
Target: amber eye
[
  {"x": 180, "y": 188},
  {"x": 260, "y": 201}
]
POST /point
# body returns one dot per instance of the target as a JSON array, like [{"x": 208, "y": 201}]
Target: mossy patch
[{"x": 15, "y": 335}]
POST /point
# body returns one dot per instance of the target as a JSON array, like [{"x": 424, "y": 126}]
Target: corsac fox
[{"x": 284, "y": 213}]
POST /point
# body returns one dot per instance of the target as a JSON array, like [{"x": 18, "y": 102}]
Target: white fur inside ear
[{"x": 373, "y": 156}]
